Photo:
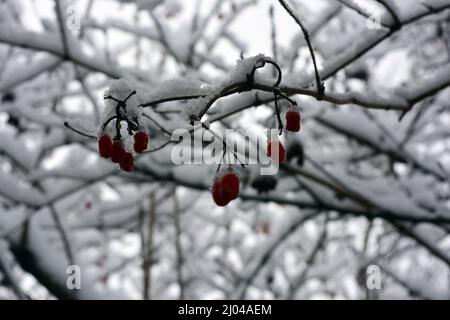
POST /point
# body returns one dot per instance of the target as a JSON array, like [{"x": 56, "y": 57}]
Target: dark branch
[{"x": 320, "y": 86}]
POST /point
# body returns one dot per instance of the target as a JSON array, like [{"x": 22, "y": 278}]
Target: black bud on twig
[
  {"x": 13, "y": 121},
  {"x": 264, "y": 184},
  {"x": 295, "y": 151},
  {"x": 9, "y": 97}
]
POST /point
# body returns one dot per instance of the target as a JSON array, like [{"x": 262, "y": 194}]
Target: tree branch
[{"x": 319, "y": 84}]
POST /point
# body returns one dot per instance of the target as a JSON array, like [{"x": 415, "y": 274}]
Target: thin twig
[
  {"x": 264, "y": 258},
  {"x": 178, "y": 246},
  {"x": 353, "y": 6},
  {"x": 320, "y": 86},
  {"x": 273, "y": 35},
  {"x": 87, "y": 93},
  {"x": 63, "y": 234},
  {"x": 397, "y": 24},
  {"x": 302, "y": 277},
  {"x": 67, "y": 125},
  {"x": 62, "y": 29},
  {"x": 147, "y": 247}
]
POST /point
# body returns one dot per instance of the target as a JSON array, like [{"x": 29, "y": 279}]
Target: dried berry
[
  {"x": 14, "y": 121},
  {"x": 293, "y": 121},
  {"x": 230, "y": 183},
  {"x": 295, "y": 151},
  {"x": 127, "y": 163},
  {"x": 8, "y": 97},
  {"x": 105, "y": 146},
  {"x": 140, "y": 141},
  {"x": 220, "y": 196},
  {"x": 276, "y": 151},
  {"x": 264, "y": 184},
  {"x": 118, "y": 151},
  {"x": 225, "y": 188}
]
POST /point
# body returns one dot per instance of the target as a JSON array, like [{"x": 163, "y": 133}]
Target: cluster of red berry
[
  {"x": 226, "y": 186},
  {"x": 116, "y": 149},
  {"x": 293, "y": 125},
  {"x": 117, "y": 152}
]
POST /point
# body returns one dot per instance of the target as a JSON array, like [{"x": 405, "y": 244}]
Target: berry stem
[
  {"x": 108, "y": 121},
  {"x": 67, "y": 125},
  {"x": 277, "y": 110},
  {"x": 287, "y": 98},
  {"x": 224, "y": 146},
  {"x": 121, "y": 104},
  {"x": 118, "y": 135}
]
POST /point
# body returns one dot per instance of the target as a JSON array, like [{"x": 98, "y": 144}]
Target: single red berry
[
  {"x": 127, "y": 163},
  {"x": 219, "y": 194},
  {"x": 105, "y": 146},
  {"x": 230, "y": 183},
  {"x": 118, "y": 151},
  {"x": 140, "y": 141},
  {"x": 293, "y": 121},
  {"x": 276, "y": 145}
]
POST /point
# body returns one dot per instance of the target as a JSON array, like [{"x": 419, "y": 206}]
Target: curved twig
[{"x": 320, "y": 85}]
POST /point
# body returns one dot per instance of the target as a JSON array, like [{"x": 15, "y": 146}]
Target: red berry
[
  {"x": 118, "y": 152},
  {"x": 275, "y": 144},
  {"x": 140, "y": 141},
  {"x": 219, "y": 194},
  {"x": 105, "y": 146},
  {"x": 230, "y": 183},
  {"x": 293, "y": 121},
  {"x": 127, "y": 163}
]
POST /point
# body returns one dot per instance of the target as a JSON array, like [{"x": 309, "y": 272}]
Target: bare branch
[{"x": 319, "y": 84}]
